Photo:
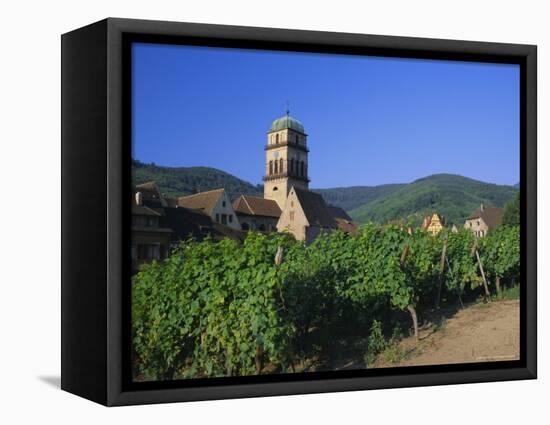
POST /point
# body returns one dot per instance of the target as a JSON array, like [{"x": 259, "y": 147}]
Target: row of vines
[{"x": 226, "y": 308}]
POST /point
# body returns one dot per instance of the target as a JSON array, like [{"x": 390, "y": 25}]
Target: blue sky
[{"x": 370, "y": 120}]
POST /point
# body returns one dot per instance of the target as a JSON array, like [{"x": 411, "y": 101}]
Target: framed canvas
[{"x": 253, "y": 212}]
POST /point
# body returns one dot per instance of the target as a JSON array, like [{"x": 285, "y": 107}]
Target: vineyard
[{"x": 275, "y": 305}]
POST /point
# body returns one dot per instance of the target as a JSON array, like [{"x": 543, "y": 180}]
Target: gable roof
[
  {"x": 492, "y": 216},
  {"x": 428, "y": 220},
  {"x": 205, "y": 201},
  {"x": 253, "y": 205},
  {"x": 315, "y": 208}
]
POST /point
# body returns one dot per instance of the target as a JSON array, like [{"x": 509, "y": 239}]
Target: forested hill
[
  {"x": 180, "y": 181},
  {"x": 453, "y": 196},
  {"x": 352, "y": 197}
]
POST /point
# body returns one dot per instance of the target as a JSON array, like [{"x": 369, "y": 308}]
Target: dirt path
[{"x": 482, "y": 332}]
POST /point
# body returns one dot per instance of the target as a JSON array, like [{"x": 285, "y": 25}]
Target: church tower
[{"x": 285, "y": 159}]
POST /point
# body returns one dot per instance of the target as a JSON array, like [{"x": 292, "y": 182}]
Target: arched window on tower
[
  {"x": 276, "y": 167},
  {"x": 292, "y": 165},
  {"x": 277, "y": 138},
  {"x": 270, "y": 167},
  {"x": 302, "y": 168},
  {"x": 281, "y": 165}
]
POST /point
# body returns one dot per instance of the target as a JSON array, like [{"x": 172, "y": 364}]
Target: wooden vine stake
[
  {"x": 410, "y": 307},
  {"x": 485, "y": 285},
  {"x": 441, "y": 270}
]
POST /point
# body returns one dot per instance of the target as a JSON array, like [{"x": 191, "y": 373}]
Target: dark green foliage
[
  {"x": 181, "y": 181},
  {"x": 455, "y": 197},
  {"x": 511, "y": 213},
  {"x": 461, "y": 271},
  {"x": 376, "y": 341},
  {"x": 500, "y": 252}
]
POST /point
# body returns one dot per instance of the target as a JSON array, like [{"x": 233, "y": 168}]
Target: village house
[
  {"x": 257, "y": 213},
  {"x": 159, "y": 222},
  {"x": 151, "y": 196},
  {"x": 214, "y": 203},
  {"x": 305, "y": 215},
  {"x": 483, "y": 219},
  {"x": 433, "y": 223},
  {"x": 150, "y": 240}
]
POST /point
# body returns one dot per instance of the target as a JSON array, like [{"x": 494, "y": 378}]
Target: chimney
[
  {"x": 481, "y": 208},
  {"x": 138, "y": 198}
]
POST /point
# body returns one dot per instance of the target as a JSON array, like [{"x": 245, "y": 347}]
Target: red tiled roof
[
  {"x": 205, "y": 201},
  {"x": 253, "y": 205}
]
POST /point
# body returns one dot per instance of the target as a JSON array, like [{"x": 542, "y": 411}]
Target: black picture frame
[{"x": 95, "y": 319}]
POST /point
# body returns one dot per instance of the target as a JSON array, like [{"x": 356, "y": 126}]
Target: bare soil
[{"x": 479, "y": 333}]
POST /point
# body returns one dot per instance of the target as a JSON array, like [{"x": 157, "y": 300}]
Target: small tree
[{"x": 511, "y": 213}]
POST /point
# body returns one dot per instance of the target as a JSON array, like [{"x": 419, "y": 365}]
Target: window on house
[
  {"x": 244, "y": 226},
  {"x": 270, "y": 167},
  {"x": 223, "y": 204},
  {"x": 224, "y": 218},
  {"x": 281, "y": 164},
  {"x": 231, "y": 218},
  {"x": 291, "y": 203},
  {"x": 291, "y": 215},
  {"x": 276, "y": 167},
  {"x": 217, "y": 217}
]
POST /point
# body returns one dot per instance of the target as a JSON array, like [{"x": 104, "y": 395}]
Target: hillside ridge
[{"x": 451, "y": 195}]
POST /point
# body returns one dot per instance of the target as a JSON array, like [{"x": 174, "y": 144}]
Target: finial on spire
[{"x": 287, "y": 108}]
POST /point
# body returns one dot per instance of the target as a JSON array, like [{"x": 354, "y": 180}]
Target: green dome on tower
[{"x": 287, "y": 122}]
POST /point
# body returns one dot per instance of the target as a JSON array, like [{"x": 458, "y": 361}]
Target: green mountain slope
[
  {"x": 352, "y": 197},
  {"x": 180, "y": 181},
  {"x": 453, "y": 196}
]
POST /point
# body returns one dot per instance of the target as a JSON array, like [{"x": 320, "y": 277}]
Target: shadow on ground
[{"x": 54, "y": 381}]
